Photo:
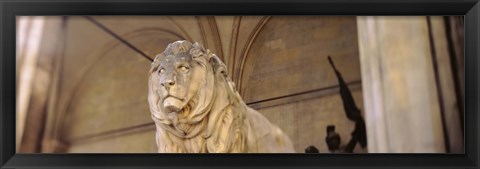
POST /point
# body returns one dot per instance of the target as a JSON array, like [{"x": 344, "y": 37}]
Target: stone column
[
  {"x": 39, "y": 49},
  {"x": 402, "y": 110},
  {"x": 29, "y": 35}
]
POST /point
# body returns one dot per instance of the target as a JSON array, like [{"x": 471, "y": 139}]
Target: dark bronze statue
[
  {"x": 311, "y": 149},
  {"x": 359, "y": 134},
  {"x": 333, "y": 139}
]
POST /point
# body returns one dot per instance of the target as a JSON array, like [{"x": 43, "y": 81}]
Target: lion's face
[
  {"x": 181, "y": 88},
  {"x": 175, "y": 77},
  {"x": 178, "y": 79}
]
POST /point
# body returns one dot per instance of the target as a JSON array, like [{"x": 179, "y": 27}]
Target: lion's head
[{"x": 182, "y": 80}]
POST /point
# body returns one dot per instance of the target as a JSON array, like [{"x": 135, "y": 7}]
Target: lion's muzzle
[{"x": 172, "y": 104}]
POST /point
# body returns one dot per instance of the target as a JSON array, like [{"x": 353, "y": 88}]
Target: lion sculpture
[{"x": 196, "y": 108}]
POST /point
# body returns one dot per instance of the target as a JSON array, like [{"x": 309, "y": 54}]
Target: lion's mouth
[
  {"x": 177, "y": 111},
  {"x": 172, "y": 104}
]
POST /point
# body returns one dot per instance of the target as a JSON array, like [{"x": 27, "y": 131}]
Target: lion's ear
[
  {"x": 198, "y": 46},
  {"x": 156, "y": 62},
  {"x": 217, "y": 65},
  {"x": 158, "y": 57}
]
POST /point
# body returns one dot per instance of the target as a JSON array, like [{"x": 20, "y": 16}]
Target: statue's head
[{"x": 181, "y": 85}]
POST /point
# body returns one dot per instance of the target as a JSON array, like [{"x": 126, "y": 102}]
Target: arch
[
  {"x": 245, "y": 51},
  {"x": 101, "y": 53}
]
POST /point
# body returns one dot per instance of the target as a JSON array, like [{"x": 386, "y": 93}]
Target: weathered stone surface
[{"x": 197, "y": 109}]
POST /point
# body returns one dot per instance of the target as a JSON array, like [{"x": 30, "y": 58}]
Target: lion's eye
[
  {"x": 161, "y": 70},
  {"x": 183, "y": 68}
]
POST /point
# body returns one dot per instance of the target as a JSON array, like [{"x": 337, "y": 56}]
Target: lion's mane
[{"x": 213, "y": 121}]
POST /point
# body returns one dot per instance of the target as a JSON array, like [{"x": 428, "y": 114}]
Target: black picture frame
[{"x": 11, "y": 8}]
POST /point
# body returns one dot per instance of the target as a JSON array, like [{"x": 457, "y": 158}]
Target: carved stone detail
[{"x": 196, "y": 108}]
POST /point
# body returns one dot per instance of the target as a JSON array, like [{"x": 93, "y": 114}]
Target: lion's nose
[{"x": 168, "y": 83}]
